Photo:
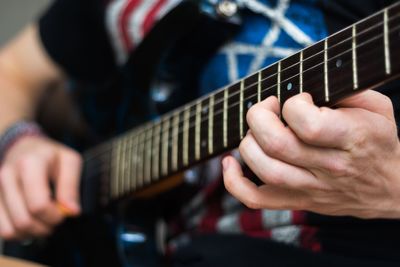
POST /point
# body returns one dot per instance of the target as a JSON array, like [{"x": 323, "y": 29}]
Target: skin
[
  {"x": 27, "y": 205},
  {"x": 342, "y": 161}
]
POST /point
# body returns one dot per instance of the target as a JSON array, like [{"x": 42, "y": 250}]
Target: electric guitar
[{"x": 146, "y": 159}]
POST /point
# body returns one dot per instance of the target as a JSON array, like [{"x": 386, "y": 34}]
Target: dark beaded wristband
[{"x": 15, "y": 132}]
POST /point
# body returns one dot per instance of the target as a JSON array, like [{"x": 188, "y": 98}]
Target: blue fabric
[{"x": 303, "y": 14}]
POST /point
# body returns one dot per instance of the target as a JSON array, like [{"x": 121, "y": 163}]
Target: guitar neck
[{"x": 361, "y": 56}]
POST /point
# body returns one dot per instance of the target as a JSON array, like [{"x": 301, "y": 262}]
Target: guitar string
[
  {"x": 235, "y": 116},
  {"x": 145, "y": 127}
]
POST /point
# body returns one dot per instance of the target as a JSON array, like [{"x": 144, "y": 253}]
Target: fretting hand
[{"x": 343, "y": 161}]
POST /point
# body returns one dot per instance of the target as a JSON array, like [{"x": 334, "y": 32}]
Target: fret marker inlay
[{"x": 326, "y": 82}]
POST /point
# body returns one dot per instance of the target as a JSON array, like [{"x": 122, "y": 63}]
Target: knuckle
[
  {"x": 72, "y": 157},
  {"x": 38, "y": 208},
  {"x": 275, "y": 146},
  {"x": 8, "y": 234},
  {"x": 339, "y": 168},
  {"x": 23, "y": 224},
  {"x": 312, "y": 130},
  {"x": 253, "y": 114},
  {"x": 252, "y": 203}
]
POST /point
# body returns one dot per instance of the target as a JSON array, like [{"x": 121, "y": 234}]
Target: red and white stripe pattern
[{"x": 128, "y": 22}]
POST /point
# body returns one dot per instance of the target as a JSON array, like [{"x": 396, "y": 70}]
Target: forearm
[{"x": 25, "y": 73}]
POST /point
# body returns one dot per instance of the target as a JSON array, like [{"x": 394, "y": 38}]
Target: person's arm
[
  {"x": 343, "y": 161},
  {"x": 30, "y": 164}
]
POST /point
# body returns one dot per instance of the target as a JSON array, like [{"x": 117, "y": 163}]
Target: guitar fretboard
[{"x": 359, "y": 57}]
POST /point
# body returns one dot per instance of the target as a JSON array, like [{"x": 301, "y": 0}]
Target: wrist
[{"x": 15, "y": 132}]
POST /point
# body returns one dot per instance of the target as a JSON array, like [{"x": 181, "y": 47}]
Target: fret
[
  {"x": 233, "y": 113},
  {"x": 290, "y": 73},
  {"x": 165, "y": 146},
  {"x": 340, "y": 64},
  {"x": 301, "y": 72},
  {"x": 121, "y": 166},
  {"x": 313, "y": 74},
  {"x": 148, "y": 152},
  {"x": 126, "y": 161},
  {"x": 269, "y": 82},
  {"x": 156, "y": 151},
  {"x": 192, "y": 133},
  {"x": 219, "y": 124},
  {"x": 394, "y": 37},
  {"x": 326, "y": 80},
  {"x": 354, "y": 57},
  {"x": 185, "y": 147},
  {"x": 225, "y": 117},
  {"x": 116, "y": 155},
  {"x": 211, "y": 125},
  {"x": 197, "y": 130},
  {"x": 175, "y": 132},
  {"x": 141, "y": 159},
  {"x": 241, "y": 109},
  {"x": 250, "y": 95},
  {"x": 259, "y": 75},
  {"x": 204, "y": 128},
  {"x": 278, "y": 84},
  {"x": 370, "y": 51},
  {"x": 134, "y": 162},
  {"x": 129, "y": 144},
  {"x": 386, "y": 41}
]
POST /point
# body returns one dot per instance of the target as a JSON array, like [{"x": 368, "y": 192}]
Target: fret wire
[
  {"x": 279, "y": 82},
  {"x": 149, "y": 137},
  {"x": 175, "y": 132},
  {"x": 259, "y": 80},
  {"x": 354, "y": 56},
  {"x": 386, "y": 42},
  {"x": 339, "y": 54},
  {"x": 185, "y": 151},
  {"x": 225, "y": 118},
  {"x": 134, "y": 183},
  {"x": 114, "y": 179},
  {"x": 301, "y": 72},
  {"x": 211, "y": 125},
  {"x": 197, "y": 130},
  {"x": 156, "y": 151},
  {"x": 241, "y": 109},
  {"x": 129, "y": 162},
  {"x": 165, "y": 145},
  {"x": 124, "y": 162},
  {"x": 326, "y": 82},
  {"x": 140, "y": 159}
]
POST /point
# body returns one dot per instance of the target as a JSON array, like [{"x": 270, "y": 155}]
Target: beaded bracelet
[{"x": 15, "y": 132}]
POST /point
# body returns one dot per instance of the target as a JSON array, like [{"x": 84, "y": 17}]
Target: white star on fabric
[{"x": 267, "y": 48}]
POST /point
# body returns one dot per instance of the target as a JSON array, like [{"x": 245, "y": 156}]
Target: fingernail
[
  {"x": 225, "y": 164},
  {"x": 68, "y": 210}
]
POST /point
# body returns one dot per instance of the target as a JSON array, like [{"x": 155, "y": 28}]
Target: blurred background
[{"x": 14, "y": 14}]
